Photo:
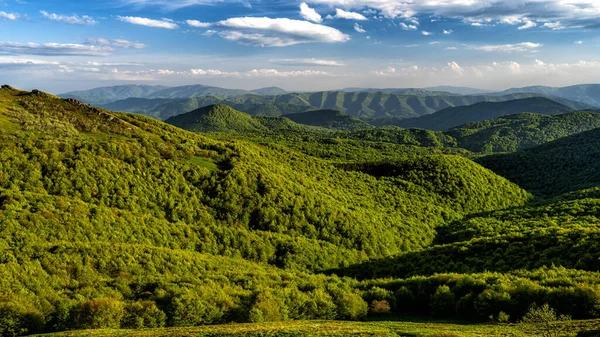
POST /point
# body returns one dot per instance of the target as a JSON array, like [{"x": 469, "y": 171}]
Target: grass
[{"x": 331, "y": 328}]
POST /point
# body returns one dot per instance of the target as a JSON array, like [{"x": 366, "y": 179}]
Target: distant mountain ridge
[
  {"x": 452, "y": 117},
  {"x": 584, "y": 93},
  {"x": 105, "y": 95},
  {"x": 364, "y": 105}
]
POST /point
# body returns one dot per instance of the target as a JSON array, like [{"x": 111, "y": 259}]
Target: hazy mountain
[
  {"x": 459, "y": 90},
  {"x": 452, "y": 117},
  {"x": 105, "y": 95},
  {"x": 584, "y": 93},
  {"x": 365, "y": 105}
]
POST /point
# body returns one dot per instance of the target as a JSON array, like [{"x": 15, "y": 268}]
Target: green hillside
[
  {"x": 521, "y": 131},
  {"x": 330, "y": 119},
  {"x": 106, "y": 95},
  {"x": 453, "y": 117},
  {"x": 567, "y": 164},
  {"x": 116, "y": 220}
]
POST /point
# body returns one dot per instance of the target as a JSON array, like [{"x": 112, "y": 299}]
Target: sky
[{"x": 65, "y": 45}]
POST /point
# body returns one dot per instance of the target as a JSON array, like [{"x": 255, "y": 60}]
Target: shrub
[
  {"x": 17, "y": 319},
  {"x": 191, "y": 310},
  {"x": 544, "y": 321},
  {"x": 101, "y": 313},
  {"x": 380, "y": 307},
  {"x": 144, "y": 314},
  {"x": 443, "y": 302}
]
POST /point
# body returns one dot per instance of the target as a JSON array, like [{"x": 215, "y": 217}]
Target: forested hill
[
  {"x": 453, "y": 117},
  {"x": 567, "y": 164},
  {"x": 584, "y": 93},
  {"x": 106, "y": 95},
  {"x": 364, "y": 105},
  {"x": 521, "y": 131},
  {"x": 330, "y": 119}
]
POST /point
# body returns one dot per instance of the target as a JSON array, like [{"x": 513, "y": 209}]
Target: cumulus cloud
[
  {"x": 426, "y": 33},
  {"x": 268, "y": 32},
  {"x": 308, "y": 62},
  {"x": 518, "y": 47},
  {"x": 408, "y": 27},
  {"x": 8, "y": 16},
  {"x": 448, "y": 32},
  {"x": 309, "y": 13},
  {"x": 571, "y": 12},
  {"x": 53, "y": 49},
  {"x": 164, "y": 23},
  {"x": 555, "y": 25},
  {"x": 70, "y": 19},
  {"x": 342, "y": 14},
  {"x": 198, "y": 24},
  {"x": 359, "y": 29}
]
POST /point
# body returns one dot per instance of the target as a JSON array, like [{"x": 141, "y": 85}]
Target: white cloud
[
  {"x": 527, "y": 24},
  {"x": 570, "y": 12},
  {"x": 518, "y": 47},
  {"x": 72, "y": 19},
  {"x": 198, "y": 24},
  {"x": 342, "y": 14},
  {"x": 159, "y": 74},
  {"x": 164, "y": 23},
  {"x": 448, "y": 32},
  {"x": 309, "y": 13},
  {"x": 262, "y": 31},
  {"x": 408, "y": 27},
  {"x": 116, "y": 43},
  {"x": 53, "y": 49},
  {"x": 579, "y": 42},
  {"x": 359, "y": 29},
  {"x": 554, "y": 25},
  {"x": 426, "y": 33},
  {"x": 308, "y": 62},
  {"x": 173, "y": 4},
  {"x": 8, "y": 16}
]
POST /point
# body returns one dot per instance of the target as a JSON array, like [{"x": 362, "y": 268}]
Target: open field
[{"x": 331, "y": 328}]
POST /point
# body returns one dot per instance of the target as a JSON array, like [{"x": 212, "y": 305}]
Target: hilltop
[
  {"x": 452, "y": 117},
  {"x": 584, "y": 93},
  {"x": 106, "y": 95}
]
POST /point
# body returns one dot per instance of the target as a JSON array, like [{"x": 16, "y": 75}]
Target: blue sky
[{"x": 59, "y": 45}]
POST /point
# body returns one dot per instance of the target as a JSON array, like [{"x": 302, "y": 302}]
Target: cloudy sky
[{"x": 62, "y": 45}]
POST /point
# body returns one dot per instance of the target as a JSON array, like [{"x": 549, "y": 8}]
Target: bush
[
  {"x": 192, "y": 310},
  {"x": 380, "y": 307},
  {"x": 144, "y": 314},
  {"x": 17, "y": 319},
  {"x": 271, "y": 308},
  {"x": 101, "y": 313},
  {"x": 443, "y": 302},
  {"x": 544, "y": 321}
]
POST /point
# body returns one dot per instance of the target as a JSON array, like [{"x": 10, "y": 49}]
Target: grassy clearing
[{"x": 329, "y": 328}]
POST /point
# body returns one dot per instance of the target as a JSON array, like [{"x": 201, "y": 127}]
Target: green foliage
[
  {"x": 100, "y": 313},
  {"x": 543, "y": 321}
]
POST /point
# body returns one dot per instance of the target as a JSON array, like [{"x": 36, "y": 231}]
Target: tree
[{"x": 543, "y": 321}]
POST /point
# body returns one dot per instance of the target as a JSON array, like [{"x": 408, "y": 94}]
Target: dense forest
[{"x": 116, "y": 220}]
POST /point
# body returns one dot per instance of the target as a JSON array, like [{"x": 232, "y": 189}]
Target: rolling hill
[
  {"x": 115, "y": 220},
  {"x": 453, "y": 117},
  {"x": 521, "y": 131},
  {"x": 216, "y": 117},
  {"x": 568, "y": 164}
]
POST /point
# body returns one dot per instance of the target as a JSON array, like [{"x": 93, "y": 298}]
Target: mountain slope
[
  {"x": 521, "y": 131},
  {"x": 330, "y": 119},
  {"x": 453, "y": 117},
  {"x": 196, "y": 90},
  {"x": 567, "y": 164},
  {"x": 218, "y": 117},
  {"x": 460, "y": 90},
  {"x": 584, "y": 93},
  {"x": 106, "y": 95}
]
